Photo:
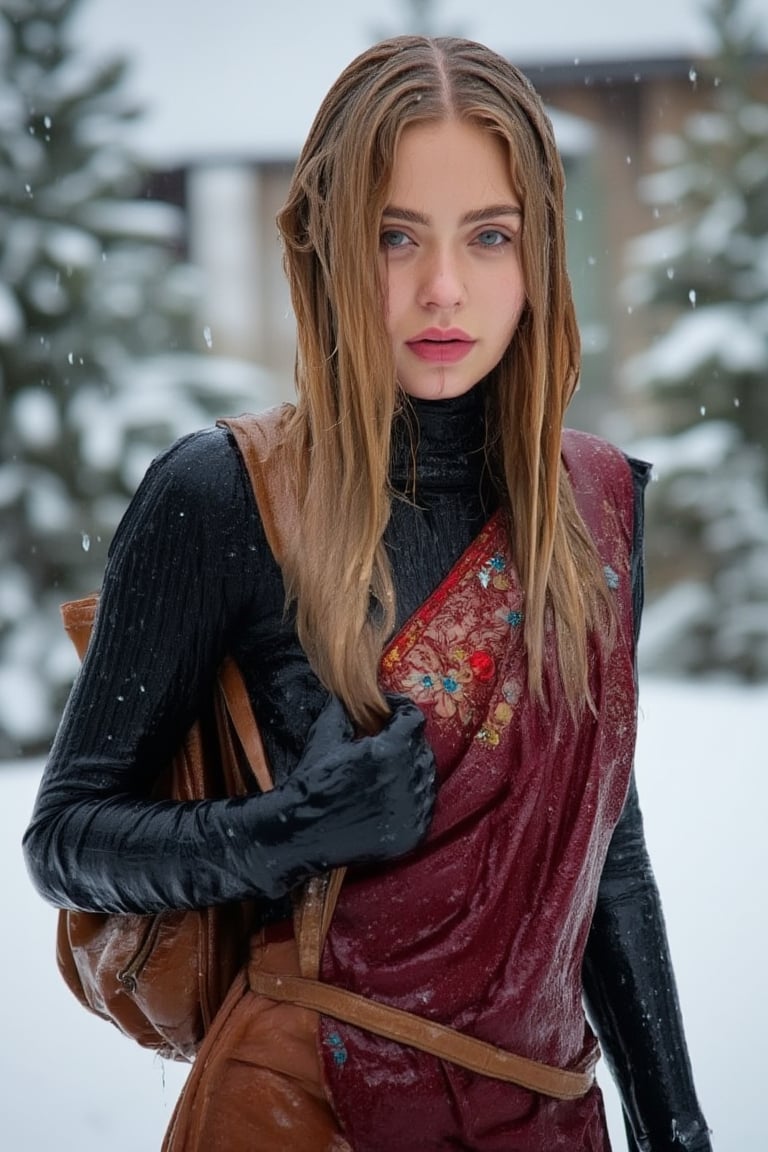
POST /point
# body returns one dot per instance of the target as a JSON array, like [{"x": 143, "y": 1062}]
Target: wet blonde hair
[{"x": 347, "y": 391}]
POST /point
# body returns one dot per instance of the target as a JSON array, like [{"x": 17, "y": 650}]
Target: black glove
[{"x": 349, "y": 800}]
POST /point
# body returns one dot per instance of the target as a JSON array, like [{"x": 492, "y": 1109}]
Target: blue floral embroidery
[
  {"x": 427, "y": 681},
  {"x": 495, "y": 564},
  {"x": 514, "y": 619},
  {"x": 611, "y": 577},
  {"x": 336, "y": 1044},
  {"x": 450, "y": 684}
]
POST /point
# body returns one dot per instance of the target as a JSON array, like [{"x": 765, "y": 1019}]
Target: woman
[{"x": 456, "y": 553}]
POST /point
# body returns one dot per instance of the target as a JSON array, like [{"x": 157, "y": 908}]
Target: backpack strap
[
  {"x": 238, "y": 705},
  {"x": 260, "y": 440}
]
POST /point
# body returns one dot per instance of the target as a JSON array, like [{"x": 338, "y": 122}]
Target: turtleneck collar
[{"x": 444, "y": 440}]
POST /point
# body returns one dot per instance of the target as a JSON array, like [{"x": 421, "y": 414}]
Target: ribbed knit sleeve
[
  {"x": 188, "y": 565},
  {"x": 628, "y": 975}
]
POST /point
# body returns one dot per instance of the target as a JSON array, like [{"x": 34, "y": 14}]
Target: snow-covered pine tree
[
  {"x": 702, "y": 277},
  {"x": 99, "y": 362}
]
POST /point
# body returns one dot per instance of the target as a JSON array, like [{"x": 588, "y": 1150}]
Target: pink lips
[{"x": 441, "y": 345}]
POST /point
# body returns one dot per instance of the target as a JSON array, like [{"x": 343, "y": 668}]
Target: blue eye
[
  {"x": 393, "y": 238},
  {"x": 491, "y": 238}
]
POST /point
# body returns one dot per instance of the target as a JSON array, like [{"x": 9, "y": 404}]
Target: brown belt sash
[{"x": 437, "y": 1039}]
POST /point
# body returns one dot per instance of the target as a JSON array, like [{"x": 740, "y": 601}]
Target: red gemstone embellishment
[{"x": 483, "y": 666}]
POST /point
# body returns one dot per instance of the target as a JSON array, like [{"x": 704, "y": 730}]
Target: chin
[{"x": 438, "y": 389}]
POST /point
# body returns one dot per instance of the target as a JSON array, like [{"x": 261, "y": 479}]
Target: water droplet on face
[
  {"x": 579, "y": 214},
  {"x": 670, "y": 273},
  {"x": 47, "y": 121},
  {"x": 86, "y": 542},
  {"x": 703, "y": 410},
  {"x": 208, "y": 336},
  {"x": 693, "y": 75},
  {"x": 692, "y": 297},
  {"x": 736, "y": 402},
  {"x": 71, "y": 358}
]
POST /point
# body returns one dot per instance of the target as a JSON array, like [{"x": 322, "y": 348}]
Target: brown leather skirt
[{"x": 257, "y": 1084}]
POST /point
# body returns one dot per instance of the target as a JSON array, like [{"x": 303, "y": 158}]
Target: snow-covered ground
[{"x": 69, "y": 1081}]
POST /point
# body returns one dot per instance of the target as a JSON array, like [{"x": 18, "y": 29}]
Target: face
[{"x": 450, "y": 258}]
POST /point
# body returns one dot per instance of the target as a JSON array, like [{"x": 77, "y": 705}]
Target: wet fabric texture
[{"x": 190, "y": 577}]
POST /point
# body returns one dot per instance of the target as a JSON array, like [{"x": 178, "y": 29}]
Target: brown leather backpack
[{"x": 161, "y": 978}]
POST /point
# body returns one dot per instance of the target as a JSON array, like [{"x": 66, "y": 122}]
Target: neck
[{"x": 439, "y": 444}]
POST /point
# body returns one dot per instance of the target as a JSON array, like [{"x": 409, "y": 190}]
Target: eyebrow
[{"x": 476, "y": 216}]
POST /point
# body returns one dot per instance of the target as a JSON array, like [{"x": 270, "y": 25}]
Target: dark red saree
[{"x": 484, "y": 927}]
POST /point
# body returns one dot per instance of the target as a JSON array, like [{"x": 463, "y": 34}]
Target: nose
[{"x": 442, "y": 284}]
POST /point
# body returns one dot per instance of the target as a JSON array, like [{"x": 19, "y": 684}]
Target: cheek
[
  {"x": 509, "y": 319},
  {"x": 517, "y": 299},
  {"x": 521, "y": 303}
]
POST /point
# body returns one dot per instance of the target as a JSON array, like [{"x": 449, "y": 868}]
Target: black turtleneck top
[{"x": 189, "y": 578}]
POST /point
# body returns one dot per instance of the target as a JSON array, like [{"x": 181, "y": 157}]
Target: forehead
[{"x": 450, "y": 159}]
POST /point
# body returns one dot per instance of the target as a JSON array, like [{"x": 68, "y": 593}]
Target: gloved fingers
[
  {"x": 333, "y": 723},
  {"x": 406, "y": 715},
  {"x": 407, "y": 724}
]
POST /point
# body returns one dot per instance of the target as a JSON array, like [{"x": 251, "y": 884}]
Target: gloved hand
[{"x": 350, "y": 800}]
